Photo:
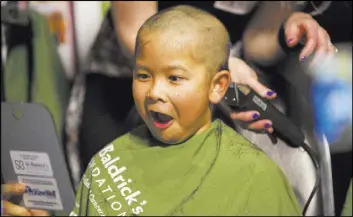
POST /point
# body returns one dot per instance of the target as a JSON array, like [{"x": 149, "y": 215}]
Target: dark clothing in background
[
  {"x": 336, "y": 20},
  {"x": 108, "y": 100},
  {"x": 293, "y": 87},
  {"x": 235, "y": 24}
]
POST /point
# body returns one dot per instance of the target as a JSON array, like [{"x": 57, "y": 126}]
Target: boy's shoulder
[
  {"x": 247, "y": 162},
  {"x": 232, "y": 141},
  {"x": 253, "y": 172},
  {"x": 240, "y": 152}
]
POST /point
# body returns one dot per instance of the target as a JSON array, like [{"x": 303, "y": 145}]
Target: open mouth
[{"x": 161, "y": 120}]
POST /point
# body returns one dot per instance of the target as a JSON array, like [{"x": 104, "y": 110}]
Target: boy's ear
[{"x": 219, "y": 86}]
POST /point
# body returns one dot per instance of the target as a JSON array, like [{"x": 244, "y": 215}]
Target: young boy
[{"x": 181, "y": 162}]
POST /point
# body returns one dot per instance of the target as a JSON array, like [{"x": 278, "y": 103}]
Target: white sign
[
  {"x": 31, "y": 163},
  {"x": 41, "y": 193}
]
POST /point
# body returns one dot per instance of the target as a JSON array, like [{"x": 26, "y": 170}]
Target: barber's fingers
[
  {"x": 331, "y": 48},
  {"x": 261, "y": 125},
  {"x": 13, "y": 189},
  {"x": 245, "y": 116},
  {"x": 295, "y": 27},
  {"x": 324, "y": 47},
  {"x": 260, "y": 89},
  {"x": 312, "y": 35},
  {"x": 14, "y": 210},
  {"x": 242, "y": 73}
]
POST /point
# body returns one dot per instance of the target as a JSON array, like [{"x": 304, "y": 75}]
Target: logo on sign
[
  {"x": 19, "y": 164},
  {"x": 38, "y": 192}
]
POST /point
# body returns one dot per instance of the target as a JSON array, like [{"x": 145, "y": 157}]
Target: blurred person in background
[{"x": 335, "y": 19}]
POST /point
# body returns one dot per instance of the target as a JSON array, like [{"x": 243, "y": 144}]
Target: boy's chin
[{"x": 166, "y": 141}]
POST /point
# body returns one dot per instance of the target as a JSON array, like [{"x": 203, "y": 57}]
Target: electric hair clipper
[{"x": 243, "y": 98}]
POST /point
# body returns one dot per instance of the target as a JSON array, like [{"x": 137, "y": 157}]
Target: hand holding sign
[{"x": 10, "y": 209}]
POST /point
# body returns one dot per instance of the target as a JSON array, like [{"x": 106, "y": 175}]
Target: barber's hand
[
  {"x": 317, "y": 39},
  {"x": 10, "y": 209},
  {"x": 243, "y": 74}
]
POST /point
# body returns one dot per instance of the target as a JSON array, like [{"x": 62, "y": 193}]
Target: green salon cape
[
  {"x": 217, "y": 172},
  {"x": 347, "y": 208}
]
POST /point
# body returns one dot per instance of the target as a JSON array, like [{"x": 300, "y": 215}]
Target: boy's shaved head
[
  {"x": 180, "y": 56},
  {"x": 189, "y": 29}
]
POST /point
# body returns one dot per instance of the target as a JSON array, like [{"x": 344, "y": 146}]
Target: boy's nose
[{"x": 156, "y": 93}]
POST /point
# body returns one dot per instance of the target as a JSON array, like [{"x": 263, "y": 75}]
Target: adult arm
[
  {"x": 261, "y": 44},
  {"x": 128, "y": 17}
]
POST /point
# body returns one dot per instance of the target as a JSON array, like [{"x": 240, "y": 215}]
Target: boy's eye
[
  {"x": 174, "y": 78},
  {"x": 142, "y": 76}
]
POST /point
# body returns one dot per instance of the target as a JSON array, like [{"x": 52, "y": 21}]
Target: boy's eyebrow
[
  {"x": 176, "y": 67},
  {"x": 144, "y": 68},
  {"x": 167, "y": 68}
]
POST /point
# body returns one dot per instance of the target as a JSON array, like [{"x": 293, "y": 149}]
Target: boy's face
[{"x": 172, "y": 92}]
